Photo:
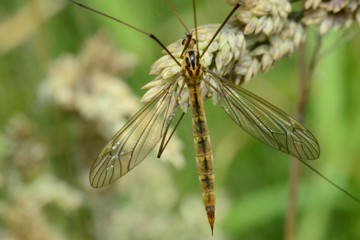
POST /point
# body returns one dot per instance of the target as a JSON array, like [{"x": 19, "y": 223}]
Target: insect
[{"x": 150, "y": 125}]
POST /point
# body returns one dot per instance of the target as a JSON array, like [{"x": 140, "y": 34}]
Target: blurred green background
[{"x": 46, "y": 151}]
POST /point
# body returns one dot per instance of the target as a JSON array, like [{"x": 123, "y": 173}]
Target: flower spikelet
[
  {"x": 89, "y": 84},
  {"x": 259, "y": 34},
  {"x": 262, "y": 16},
  {"x": 220, "y": 57},
  {"x": 333, "y": 14}
]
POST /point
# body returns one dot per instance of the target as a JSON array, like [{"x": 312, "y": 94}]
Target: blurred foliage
[{"x": 46, "y": 151}]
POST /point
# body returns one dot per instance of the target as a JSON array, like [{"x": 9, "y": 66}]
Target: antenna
[
  {"x": 195, "y": 23},
  {"x": 177, "y": 15},
  {"x": 152, "y": 36}
]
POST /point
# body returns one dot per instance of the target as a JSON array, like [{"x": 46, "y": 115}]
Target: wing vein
[{"x": 263, "y": 120}]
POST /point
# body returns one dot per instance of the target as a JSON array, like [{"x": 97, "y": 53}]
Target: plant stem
[{"x": 303, "y": 94}]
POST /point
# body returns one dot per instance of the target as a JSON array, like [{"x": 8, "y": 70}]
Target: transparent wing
[
  {"x": 133, "y": 142},
  {"x": 264, "y": 121}
]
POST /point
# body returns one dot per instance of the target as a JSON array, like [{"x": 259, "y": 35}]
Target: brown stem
[
  {"x": 292, "y": 202},
  {"x": 304, "y": 90},
  {"x": 295, "y": 164},
  {"x": 315, "y": 57}
]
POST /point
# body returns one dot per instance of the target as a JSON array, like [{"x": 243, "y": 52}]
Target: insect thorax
[{"x": 192, "y": 67}]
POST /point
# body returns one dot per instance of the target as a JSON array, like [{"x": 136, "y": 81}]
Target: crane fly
[{"x": 150, "y": 125}]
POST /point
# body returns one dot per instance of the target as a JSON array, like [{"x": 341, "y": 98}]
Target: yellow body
[
  {"x": 204, "y": 157},
  {"x": 193, "y": 72}
]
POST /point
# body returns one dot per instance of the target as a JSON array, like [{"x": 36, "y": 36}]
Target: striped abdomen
[{"x": 204, "y": 157}]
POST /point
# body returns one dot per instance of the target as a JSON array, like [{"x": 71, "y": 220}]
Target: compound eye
[
  {"x": 183, "y": 41},
  {"x": 194, "y": 41}
]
